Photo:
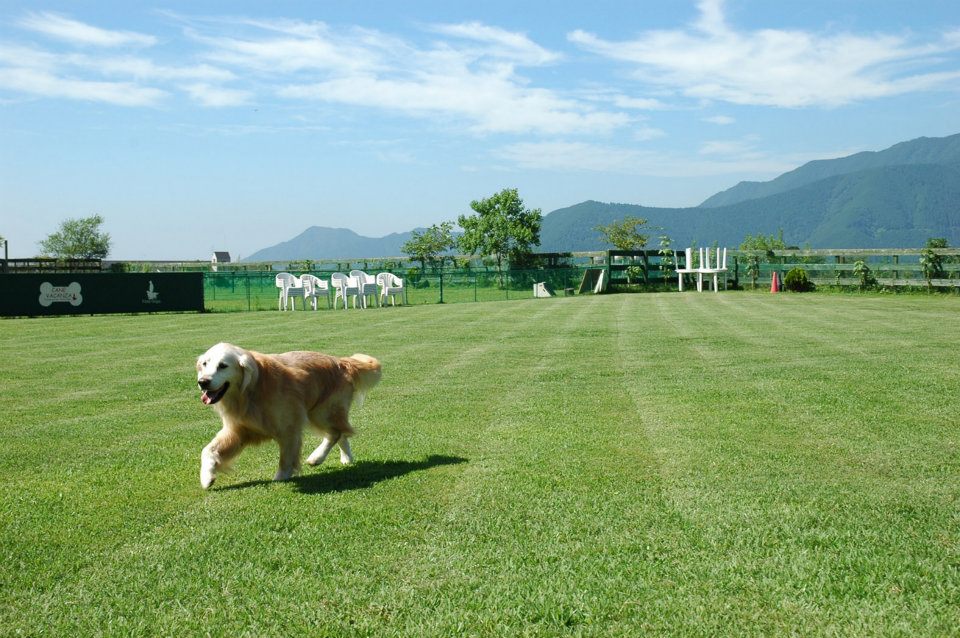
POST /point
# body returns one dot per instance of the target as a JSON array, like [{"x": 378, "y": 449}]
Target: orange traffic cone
[{"x": 775, "y": 282}]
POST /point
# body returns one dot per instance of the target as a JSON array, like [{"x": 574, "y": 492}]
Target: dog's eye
[{"x": 222, "y": 366}]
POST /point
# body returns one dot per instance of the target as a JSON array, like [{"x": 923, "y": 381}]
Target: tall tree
[
  {"x": 428, "y": 246},
  {"x": 766, "y": 243},
  {"x": 625, "y": 235},
  {"x": 78, "y": 239},
  {"x": 501, "y": 228}
]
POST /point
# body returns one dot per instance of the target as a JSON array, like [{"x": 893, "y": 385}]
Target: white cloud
[
  {"x": 492, "y": 101},
  {"x": 469, "y": 76},
  {"x": 282, "y": 46},
  {"x": 577, "y": 157},
  {"x": 73, "y": 31},
  {"x": 145, "y": 69},
  {"x": 44, "y": 84},
  {"x": 503, "y": 43},
  {"x": 646, "y": 133},
  {"x": 774, "y": 67},
  {"x": 740, "y": 148},
  {"x": 721, "y": 120},
  {"x": 641, "y": 104},
  {"x": 473, "y": 77},
  {"x": 573, "y": 156},
  {"x": 217, "y": 96},
  {"x": 114, "y": 78}
]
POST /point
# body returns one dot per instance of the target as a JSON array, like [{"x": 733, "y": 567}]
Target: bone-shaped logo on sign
[{"x": 50, "y": 294}]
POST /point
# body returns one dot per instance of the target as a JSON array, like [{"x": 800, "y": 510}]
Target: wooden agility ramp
[{"x": 594, "y": 280}]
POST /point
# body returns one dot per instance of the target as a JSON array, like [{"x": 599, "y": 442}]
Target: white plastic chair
[
  {"x": 714, "y": 266},
  {"x": 284, "y": 281},
  {"x": 687, "y": 267},
  {"x": 368, "y": 286},
  {"x": 344, "y": 287},
  {"x": 296, "y": 291},
  {"x": 313, "y": 288},
  {"x": 390, "y": 285}
]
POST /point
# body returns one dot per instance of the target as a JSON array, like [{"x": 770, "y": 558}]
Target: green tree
[
  {"x": 625, "y": 235},
  {"x": 766, "y": 243},
  {"x": 78, "y": 239},
  {"x": 428, "y": 246},
  {"x": 760, "y": 243},
  {"x": 501, "y": 228}
]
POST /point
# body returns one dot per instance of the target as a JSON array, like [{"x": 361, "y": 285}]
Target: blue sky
[{"x": 201, "y": 126}]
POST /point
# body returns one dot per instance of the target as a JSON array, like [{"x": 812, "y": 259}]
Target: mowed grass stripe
[
  {"x": 529, "y": 509},
  {"x": 808, "y": 478}
]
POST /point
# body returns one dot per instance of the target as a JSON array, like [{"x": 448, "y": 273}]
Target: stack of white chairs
[
  {"x": 290, "y": 290},
  {"x": 296, "y": 291},
  {"x": 314, "y": 288},
  {"x": 711, "y": 266},
  {"x": 368, "y": 287},
  {"x": 390, "y": 286},
  {"x": 344, "y": 286},
  {"x": 687, "y": 268}
]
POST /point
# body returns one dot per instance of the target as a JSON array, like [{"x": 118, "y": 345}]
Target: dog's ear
[{"x": 251, "y": 371}]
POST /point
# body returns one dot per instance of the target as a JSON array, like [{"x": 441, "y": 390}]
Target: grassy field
[{"x": 693, "y": 465}]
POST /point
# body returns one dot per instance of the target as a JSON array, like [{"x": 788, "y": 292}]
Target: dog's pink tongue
[{"x": 205, "y": 398}]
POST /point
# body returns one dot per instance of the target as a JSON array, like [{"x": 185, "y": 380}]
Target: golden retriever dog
[{"x": 273, "y": 396}]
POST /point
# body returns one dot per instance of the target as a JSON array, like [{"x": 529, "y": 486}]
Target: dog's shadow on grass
[{"x": 360, "y": 475}]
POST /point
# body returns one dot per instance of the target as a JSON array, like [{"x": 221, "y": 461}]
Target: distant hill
[
  {"x": 893, "y": 206},
  {"x": 896, "y": 198},
  {"x": 924, "y": 150},
  {"x": 319, "y": 242}
]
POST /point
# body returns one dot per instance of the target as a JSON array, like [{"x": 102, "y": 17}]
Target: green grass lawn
[{"x": 698, "y": 464}]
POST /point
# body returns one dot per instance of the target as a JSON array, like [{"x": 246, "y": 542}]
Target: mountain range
[{"x": 895, "y": 198}]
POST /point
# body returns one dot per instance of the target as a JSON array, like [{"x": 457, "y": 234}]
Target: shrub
[
  {"x": 863, "y": 272},
  {"x": 416, "y": 278},
  {"x": 932, "y": 265},
  {"x": 753, "y": 269},
  {"x": 797, "y": 280},
  {"x": 634, "y": 274}
]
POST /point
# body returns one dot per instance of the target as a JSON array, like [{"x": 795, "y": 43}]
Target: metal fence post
[{"x": 441, "y": 286}]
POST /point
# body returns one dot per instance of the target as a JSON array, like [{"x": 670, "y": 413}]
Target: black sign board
[{"x": 85, "y": 294}]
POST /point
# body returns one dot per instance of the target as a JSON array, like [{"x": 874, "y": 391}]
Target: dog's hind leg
[
  {"x": 341, "y": 424},
  {"x": 346, "y": 456},
  {"x": 289, "y": 457},
  {"x": 320, "y": 454}
]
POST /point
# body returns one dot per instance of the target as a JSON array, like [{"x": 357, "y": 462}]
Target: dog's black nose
[{"x": 203, "y": 383}]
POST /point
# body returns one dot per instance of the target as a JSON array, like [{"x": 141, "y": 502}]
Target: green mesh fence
[{"x": 245, "y": 291}]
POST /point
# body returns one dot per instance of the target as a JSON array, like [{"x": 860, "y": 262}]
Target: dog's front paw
[
  {"x": 207, "y": 466},
  {"x": 206, "y": 479}
]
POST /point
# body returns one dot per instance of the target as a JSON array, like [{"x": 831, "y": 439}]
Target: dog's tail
[{"x": 365, "y": 372}]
